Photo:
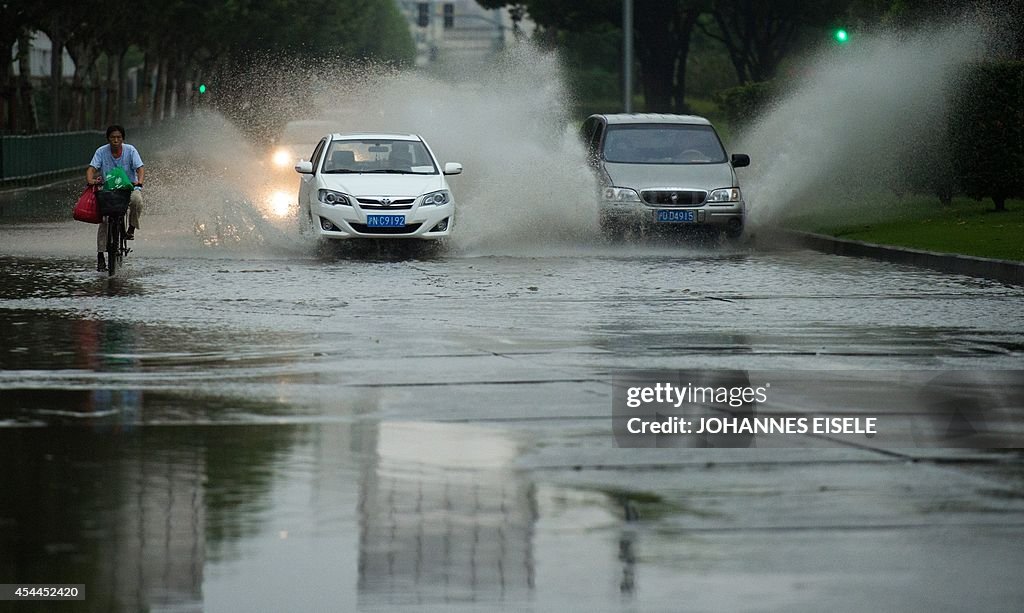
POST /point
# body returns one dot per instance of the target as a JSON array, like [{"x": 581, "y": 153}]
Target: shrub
[{"x": 987, "y": 131}]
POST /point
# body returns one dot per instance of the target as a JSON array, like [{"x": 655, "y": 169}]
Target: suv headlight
[
  {"x": 437, "y": 198},
  {"x": 728, "y": 194},
  {"x": 621, "y": 194},
  {"x": 332, "y": 197}
]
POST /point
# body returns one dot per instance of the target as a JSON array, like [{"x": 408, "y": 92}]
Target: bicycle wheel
[
  {"x": 123, "y": 242},
  {"x": 113, "y": 243}
]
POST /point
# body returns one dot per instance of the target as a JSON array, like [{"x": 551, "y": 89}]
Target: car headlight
[
  {"x": 282, "y": 158},
  {"x": 728, "y": 194},
  {"x": 437, "y": 198},
  {"x": 621, "y": 194},
  {"x": 332, "y": 197}
]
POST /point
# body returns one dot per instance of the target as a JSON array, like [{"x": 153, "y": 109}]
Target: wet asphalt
[{"x": 241, "y": 421}]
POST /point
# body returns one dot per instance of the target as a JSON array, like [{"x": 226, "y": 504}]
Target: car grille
[
  {"x": 674, "y": 197},
  {"x": 365, "y": 229},
  {"x": 376, "y": 204},
  {"x": 381, "y": 207}
]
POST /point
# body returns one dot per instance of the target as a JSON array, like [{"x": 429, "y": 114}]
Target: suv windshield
[
  {"x": 662, "y": 144},
  {"x": 378, "y": 155}
]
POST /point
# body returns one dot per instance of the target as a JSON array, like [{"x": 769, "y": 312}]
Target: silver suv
[{"x": 661, "y": 171}]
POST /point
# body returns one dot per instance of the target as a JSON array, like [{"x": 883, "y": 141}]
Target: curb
[{"x": 1006, "y": 271}]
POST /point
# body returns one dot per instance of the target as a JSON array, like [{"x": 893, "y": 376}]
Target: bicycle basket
[{"x": 113, "y": 202}]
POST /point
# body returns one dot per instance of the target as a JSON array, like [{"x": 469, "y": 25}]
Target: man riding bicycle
[{"x": 117, "y": 154}]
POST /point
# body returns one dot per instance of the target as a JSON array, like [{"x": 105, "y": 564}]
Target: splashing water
[
  {"x": 856, "y": 125},
  {"x": 525, "y": 183},
  {"x": 857, "y": 121}
]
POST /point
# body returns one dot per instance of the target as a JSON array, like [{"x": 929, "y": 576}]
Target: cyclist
[{"x": 117, "y": 154}]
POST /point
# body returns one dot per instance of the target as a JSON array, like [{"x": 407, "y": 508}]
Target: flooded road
[{"x": 256, "y": 425}]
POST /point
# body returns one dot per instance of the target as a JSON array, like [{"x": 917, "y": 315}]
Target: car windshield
[
  {"x": 663, "y": 144},
  {"x": 379, "y": 156}
]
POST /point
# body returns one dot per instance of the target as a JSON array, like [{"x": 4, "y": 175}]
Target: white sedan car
[{"x": 376, "y": 186}]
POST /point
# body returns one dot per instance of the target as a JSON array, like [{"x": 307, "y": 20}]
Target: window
[
  {"x": 663, "y": 144},
  {"x": 379, "y": 155}
]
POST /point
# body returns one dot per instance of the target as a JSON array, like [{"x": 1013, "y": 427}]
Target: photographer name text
[{"x": 753, "y": 425}]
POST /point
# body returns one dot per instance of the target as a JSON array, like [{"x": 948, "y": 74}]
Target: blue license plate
[
  {"x": 675, "y": 216},
  {"x": 385, "y": 221}
]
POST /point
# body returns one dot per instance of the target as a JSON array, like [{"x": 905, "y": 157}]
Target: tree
[
  {"x": 987, "y": 131},
  {"x": 662, "y": 33},
  {"x": 663, "y": 29},
  {"x": 183, "y": 40},
  {"x": 759, "y": 34},
  {"x": 17, "y": 17}
]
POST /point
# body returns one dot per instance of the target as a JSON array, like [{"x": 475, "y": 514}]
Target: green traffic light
[
  {"x": 202, "y": 88},
  {"x": 841, "y": 36}
]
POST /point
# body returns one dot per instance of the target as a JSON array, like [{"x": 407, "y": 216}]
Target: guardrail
[{"x": 36, "y": 156}]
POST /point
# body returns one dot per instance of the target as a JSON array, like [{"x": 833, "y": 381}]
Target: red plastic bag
[{"x": 86, "y": 208}]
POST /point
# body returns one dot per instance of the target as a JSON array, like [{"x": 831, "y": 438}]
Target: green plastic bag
[{"x": 117, "y": 179}]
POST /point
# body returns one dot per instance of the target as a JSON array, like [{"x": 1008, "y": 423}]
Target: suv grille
[{"x": 676, "y": 197}]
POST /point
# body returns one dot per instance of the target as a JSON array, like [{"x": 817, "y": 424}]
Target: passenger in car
[{"x": 400, "y": 158}]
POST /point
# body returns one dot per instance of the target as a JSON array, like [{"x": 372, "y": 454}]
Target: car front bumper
[
  {"x": 729, "y": 215},
  {"x": 346, "y": 222}
]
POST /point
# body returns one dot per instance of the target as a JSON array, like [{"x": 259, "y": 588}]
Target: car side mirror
[
  {"x": 304, "y": 167},
  {"x": 452, "y": 168},
  {"x": 739, "y": 160}
]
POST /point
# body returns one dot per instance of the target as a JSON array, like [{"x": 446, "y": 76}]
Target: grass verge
[{"x": 966, "y": 227}]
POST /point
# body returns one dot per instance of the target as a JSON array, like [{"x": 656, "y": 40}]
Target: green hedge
[{"x": 986, "y": 129}]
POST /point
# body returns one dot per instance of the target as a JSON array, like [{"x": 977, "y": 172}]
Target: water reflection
[
  {"x": 444, "y": 516},
  {"x": 32, "y": 281},
  {"x": 175, "y": 517},
  {"x": 95, "y": 347},
  {"x": 132, "y": 516}
]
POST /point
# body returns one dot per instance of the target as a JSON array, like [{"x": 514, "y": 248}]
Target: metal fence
[{"x": 40, "y": 155}]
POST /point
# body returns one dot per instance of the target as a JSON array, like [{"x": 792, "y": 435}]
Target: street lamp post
[{"x": 627, "y": 56}]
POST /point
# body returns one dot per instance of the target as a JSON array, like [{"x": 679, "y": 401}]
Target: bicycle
[{"x": 114, "y": 207}]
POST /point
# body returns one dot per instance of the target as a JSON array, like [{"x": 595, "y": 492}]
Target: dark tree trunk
[
  {"x": 110, "y": 88},
  {"x": 84, "y": 57},
  {"x": 120, "y": 105},
  {"x": 28, "y": 119},
  {"x": 98, "y": 90},
  {"x": 56, "y": 76},
  {"x": 161, "y": 90},
  {"x": 686, "y": 22},
  {"x": 145, "y": 101},
  {"x": 663, "y": 43},
  {"x": 8, "y": 89}
]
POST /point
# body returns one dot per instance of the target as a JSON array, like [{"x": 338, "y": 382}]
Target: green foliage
[
  {"x": 592, "y": 58},
  {"x": 192, "y": 39},
  {"x": 708, "y": 68},
  {"x": 987, "y": 131},
  {"x": 743, "y": 104}
]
